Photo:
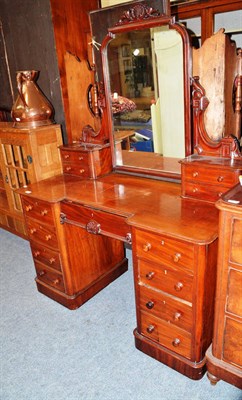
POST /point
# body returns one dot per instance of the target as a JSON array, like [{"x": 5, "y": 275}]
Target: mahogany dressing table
[{"x": 78, "y": 222}]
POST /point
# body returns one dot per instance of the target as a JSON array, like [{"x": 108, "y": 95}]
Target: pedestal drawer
[
  {"x": 210, "y": 175},
  {"x": 46, "y": 256},
  {"x": 167, "y": 251},
  {"x": 76, "y": 169},
  {"x": 162, "y": 306},
  {"x": 48, "y": 276},
  {"x": 80, "y": 158},
  {"x": 37, "y": 209},
  {"x": 42, "y": 233},
  {"x": 167, "y": 279},
  {"x": 174, "y": 339}
]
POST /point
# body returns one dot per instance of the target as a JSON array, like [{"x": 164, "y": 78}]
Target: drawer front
[
  {"x": 41, "y": 233},
  {"x": 212, "y": 176},
  {"x": 204, "y": 192},
  {"x": 166, "y": 334},
  {"x": 97, "y": 222},
  {"x": 75, "y": 169},
  {"x": 46, "y": 256},
  {"x": 37, "y": 209},
  {"x": 162, "y": 306},
  {"x": 74, "y": 157},
  {"x": 164, "y": 250},
  {"x": 49, "y": 277},
  {"x": 167, "y": 279},
  {"x": 232, "y": 342}
]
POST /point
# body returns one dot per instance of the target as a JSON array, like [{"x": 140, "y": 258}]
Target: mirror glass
[{"x": 146, "y": 80}]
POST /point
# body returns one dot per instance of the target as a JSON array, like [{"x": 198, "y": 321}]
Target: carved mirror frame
[{"x": 139, "y": 17}]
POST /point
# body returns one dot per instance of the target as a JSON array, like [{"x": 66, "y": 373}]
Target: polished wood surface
[{"x": 224, "y": 356}]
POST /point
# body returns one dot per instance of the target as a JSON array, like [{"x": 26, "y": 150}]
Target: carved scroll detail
[{"x": 138, "y": 13}]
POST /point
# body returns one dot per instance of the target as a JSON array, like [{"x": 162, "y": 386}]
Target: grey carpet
[{"x": 51, "y": 353}]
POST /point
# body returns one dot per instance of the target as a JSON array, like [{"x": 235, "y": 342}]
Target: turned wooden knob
[
  {"x": 177, "y": 316},
  {"x": 195, "y": 174},
  {"x": 81, "y": 171},
  {"x": 150, "y": 275},
  {"x": 52, "y": 260},
  {"x": 146, "y": 247},
  {"x": 28, "y": 208},
  {"x": 195, "y": 190},
  {"x": 41, "y": 273},
  {"x": 176, "y": 342},
  {"x": 66, "y": 156},
  {"x": 36, "y": 253},
  {"x": 176, "y": 257},
  {"x": 32, "y": 231},
  {"x": 150, "y": 328},
  {"x": 178, "y": 286},
  {"x": 68, "y": 168},
  {"x": 56, "y": 281},
  {"x": 48, "y": 237},
  {"x": 220, "y": 178},
  {"x": 80, "y": 158},
  {"x": 44, "y": 212},
  {"x": 150, "y": 304}
]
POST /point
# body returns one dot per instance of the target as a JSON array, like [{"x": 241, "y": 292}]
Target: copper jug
[{"x": 31, "y": 108}]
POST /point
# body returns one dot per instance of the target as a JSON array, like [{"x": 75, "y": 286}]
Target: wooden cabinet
[
  {"x": 86, "y": 161},
  {"x": 174, "y": 313},
  {"x": 207, "y": 178},
  {"x": 26, "y": 156},
  {"x": 224, "y": 356}
]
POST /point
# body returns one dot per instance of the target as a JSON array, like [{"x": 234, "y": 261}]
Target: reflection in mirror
[{"x": 147, "y": 90}]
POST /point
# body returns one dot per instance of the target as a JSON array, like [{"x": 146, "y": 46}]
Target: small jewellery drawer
[
  {"x": 166, "y": 279},
  {"x": 96, "y": 221},
  {"x": 158, "y": 248},
  {"x": 169, "y": 336},
  {"x": 75, "y": 169},
  {"x": 42, "y": 233},
  {"x": 202, "y": 191},
  {"x": 162, "y": 306},
  {"x": 37, "y": 209},
  {"x": 74, "y": 157},
  {"x": 46, "y": 256},
  {"x": 49, "y": 277},
  {"x": 212, "y": 176}
]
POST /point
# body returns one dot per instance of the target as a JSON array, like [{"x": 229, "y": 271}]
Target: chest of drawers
[
  {"x": 224, "y": 356},
  {"x": 174, "y": 281},
  {"x": 86, "y": 161},
  {"x": 207, "y": 178}
]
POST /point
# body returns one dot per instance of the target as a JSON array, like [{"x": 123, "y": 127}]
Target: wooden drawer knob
[
  {"x": 56, "y": 281},
  {"x": 36, "y": 253},
  {"x": 150, "y": 304},
  {"x": 33, "y": 230},
  {"x": 178, "y": 286},
  {"x": 146, "y": 247},
  {"x": 66, "y": 156},
  {"x": 44, "y": 212},
  {"x": 52, "y": 260},
  {"x": 220, "y": 178},
  {"x": 176, "y": 342},
  {"x": 80, "y": 158},
  {"x": 81, "y": 171},
  {"x": 195, "y": 190},
  {"x": 48, "y": 237},
  {"x": 195, "y": 174},
  {"x": 68, "y": 169},
  {"x": 176, "y": 257},
  {"x": 150, "y": 275},
  {"x": 177, "y": 316},
  {"x": 28, "y": 208},
  {"x": 41, "y": 273},
  {"x": 150, "y": 328}
]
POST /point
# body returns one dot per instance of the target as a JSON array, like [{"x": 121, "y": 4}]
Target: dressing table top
[{"x": 148, "y": 204}]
